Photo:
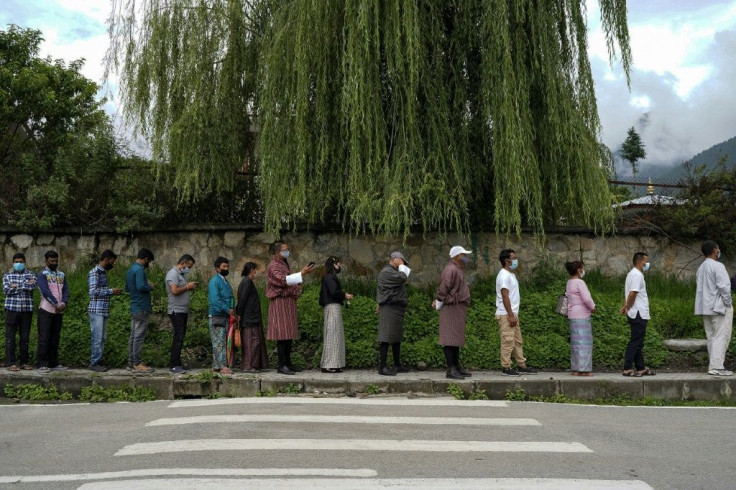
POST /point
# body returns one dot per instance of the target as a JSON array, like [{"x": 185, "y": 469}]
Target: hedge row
[{"x": 545, "y": 334}]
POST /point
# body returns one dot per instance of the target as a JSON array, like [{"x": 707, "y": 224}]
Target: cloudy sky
[{"x": 682, "y": 99}]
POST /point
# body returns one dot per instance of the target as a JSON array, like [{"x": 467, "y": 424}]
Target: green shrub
[
  {"x": 35, "y": 392},
  {"x": 98, "y": 394}
]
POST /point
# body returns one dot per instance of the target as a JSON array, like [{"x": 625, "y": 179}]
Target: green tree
[
  {"x": 632, "y": 150},
  {"x": 378, "y": 114},
  {"x": 59, "y": 156},
  {"x": 706, "y": 208}
]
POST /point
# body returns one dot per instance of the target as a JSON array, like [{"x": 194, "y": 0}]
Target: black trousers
[
  {"x": 179, "y": 324},
  {"x": 49, "y": 333},
  {"x": 634, "y": 356},
  {"x": 17, "y": 321}
]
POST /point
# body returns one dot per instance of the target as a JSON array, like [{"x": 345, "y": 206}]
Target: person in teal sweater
[
  {"x": 140, "y": 289},
  {"x": 220, "y": 310}
]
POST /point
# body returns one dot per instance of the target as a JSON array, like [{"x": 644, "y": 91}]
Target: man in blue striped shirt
[
  {"x": 99, "y": 307},
  {"x": 18, "y": 286}
]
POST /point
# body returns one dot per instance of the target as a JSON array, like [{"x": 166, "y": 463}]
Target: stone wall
[{"x": 362, "y": 255}]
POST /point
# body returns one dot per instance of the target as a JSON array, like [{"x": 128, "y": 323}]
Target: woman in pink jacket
[{"x": 580, "y": 306}]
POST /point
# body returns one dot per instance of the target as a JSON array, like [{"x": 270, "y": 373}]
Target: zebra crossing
[
  {"x": 321, "y": 442},
  {"x": 242, "y": 412}
]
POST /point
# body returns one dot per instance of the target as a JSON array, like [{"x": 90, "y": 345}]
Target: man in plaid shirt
[
  {"x": 99, "y": 307},
  {"x": 18, "y": 286}
]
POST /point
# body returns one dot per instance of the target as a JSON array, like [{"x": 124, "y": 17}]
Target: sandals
[
  {"x": 582, "y": 373},
  {"x": 27, "y": 367},
  {"x": 629, "y": 373},
  {"x": 14, "y": 368}
]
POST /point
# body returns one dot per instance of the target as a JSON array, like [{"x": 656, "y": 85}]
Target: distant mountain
[{"x": 709, "y": 158}]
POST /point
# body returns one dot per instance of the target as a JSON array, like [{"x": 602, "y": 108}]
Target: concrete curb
[{"x": 666, "y": 386}]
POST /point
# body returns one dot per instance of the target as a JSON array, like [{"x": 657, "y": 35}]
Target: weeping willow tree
[{"x": 380, "y": 114}]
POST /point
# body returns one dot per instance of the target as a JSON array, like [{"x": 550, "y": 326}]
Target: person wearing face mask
[
  {"x": 254, "y": 357},
  {"x": 139, "y": 288},
  {"x": 283, "y": 289},
  {"x": 636, "y": 309},
  {"x": 392, "y": 301},
  {"x": 580, "y": 306},
  {"x": 222, "y": 307},
  {"x": 178, "y": 288},
  {"x": 100, "y": 293},
  {"x": 508, "y": 300},
  {"x": 54, "y": 297},
  {"x": 18, "y": 286},
  {"x": 331, "y": 297},
  {"x": 452, "y": 300},
  {"x": 713, "y": 302}
]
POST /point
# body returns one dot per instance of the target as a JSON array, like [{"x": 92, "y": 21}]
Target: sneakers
[
  {"x": 142, "y": 368},
  {"x": 526, "y": 370},
  {"x": 177, "y": 370},
  {"x": 43, "y": 369},
  {"x": 59, "y": 368},
  {"x": 98, "y": 368},
  {"x": 720, "y": 372},
  {"x": 510, "y": 372}
]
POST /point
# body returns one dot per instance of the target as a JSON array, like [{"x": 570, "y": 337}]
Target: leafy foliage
[
  {"x": 99, "y": 394},
  {"x": 392, "y": 113},
  {"x": 707, "y": 209},
  {"x": 35, "y": 392}
]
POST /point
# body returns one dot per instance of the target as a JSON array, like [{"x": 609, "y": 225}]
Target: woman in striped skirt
[
  {"x": 331, "y": 298},
  {"x": 580, "y": 306}
]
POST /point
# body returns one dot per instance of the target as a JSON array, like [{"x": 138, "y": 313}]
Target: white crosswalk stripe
[
  {"x": 339, "y": 419},
  {"x": 376, "y": 484},
  {"x": 418, "y": 402}
]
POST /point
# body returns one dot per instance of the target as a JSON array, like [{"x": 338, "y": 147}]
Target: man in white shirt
[
  {"x": 508, "y": 300},
  {"x": 636, "y": 309},
  {"x": 713, "y": 302}
]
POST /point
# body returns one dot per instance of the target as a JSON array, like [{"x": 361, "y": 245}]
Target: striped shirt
[
  {"x": 99, "y": 292},
  {"x": 18, "y": 289}
]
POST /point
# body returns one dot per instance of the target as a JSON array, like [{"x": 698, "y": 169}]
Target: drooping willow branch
[{"x": 381, "y": 114}]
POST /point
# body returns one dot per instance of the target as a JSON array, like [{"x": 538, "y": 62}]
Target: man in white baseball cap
[{"x": 452, "y": 300}]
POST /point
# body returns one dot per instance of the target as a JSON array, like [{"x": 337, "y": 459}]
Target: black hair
[
  {"x": 186, "y": 258},
  {"x": 221, "y": 260},
  {"x": 276, "y": 247},
  {"x": 248, "y": 268},
  {"x": 51, "y": 254},
  {"x": 638, "y": 256},
  {"x": 573, "y": 266},
  {"x": 505, "y": 255},
  {"x": 708, "y": 247},
  {"x": 330, "y": 264},
  {"x": 19, "y": 256},
  {"x": 144, "y": 253},
  {"x": 108, "y": 254}
]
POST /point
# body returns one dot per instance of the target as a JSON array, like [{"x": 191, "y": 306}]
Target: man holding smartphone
[{"x": 177, "y": 288}]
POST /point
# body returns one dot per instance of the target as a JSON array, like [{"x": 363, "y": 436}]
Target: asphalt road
[{"x": 352, "y": 443}]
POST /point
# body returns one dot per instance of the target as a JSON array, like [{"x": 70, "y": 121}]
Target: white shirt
[
  {"x": 713, "y": 290},
  {"x": 507, "y": 280},
  {"x": 635, "y": 282}
]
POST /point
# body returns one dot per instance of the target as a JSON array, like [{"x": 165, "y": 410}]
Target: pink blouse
[{"x": 579, "y": 301}]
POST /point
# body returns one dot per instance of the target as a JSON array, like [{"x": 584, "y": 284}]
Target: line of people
[{"x": 283, "y": 288}]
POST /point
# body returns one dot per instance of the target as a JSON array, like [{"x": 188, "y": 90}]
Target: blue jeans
[
  {"x": 98, "y": 326},
  {"x": 138, "y": 326}
]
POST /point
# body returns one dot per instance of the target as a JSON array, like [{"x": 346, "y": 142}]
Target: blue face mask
[
  {"x": 19, "y": 266},
  {"x": 646, "y": 266},
  {"x": 514, "y": 264},
  {"x": 185, "y": 270},
  {"x": 285, "y": 254},
  {"x": 465, "y": 259}
]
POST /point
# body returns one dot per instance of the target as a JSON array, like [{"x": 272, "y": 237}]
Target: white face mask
[
  {"x": 285, "y": 254},
  {"x": 185, "y": 270},
  {"x": 582, "y": 273}
]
